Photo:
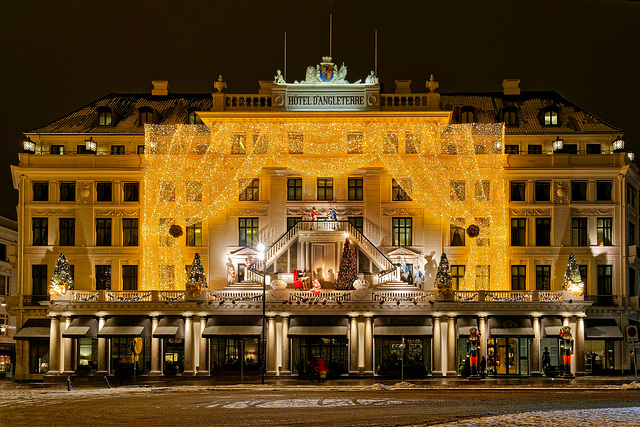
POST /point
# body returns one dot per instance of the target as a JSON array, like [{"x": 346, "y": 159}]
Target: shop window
[
  {"x": 402, "y": 231},
  {"x": 129, "y": 231},
  {"x": 38, "y": 356},
  {"x": 67, "y": 229}
]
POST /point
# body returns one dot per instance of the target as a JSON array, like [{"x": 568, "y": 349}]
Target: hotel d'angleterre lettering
[{"x": 325, "y": 88}]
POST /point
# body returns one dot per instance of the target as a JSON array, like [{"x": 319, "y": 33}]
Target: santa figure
[{"x": 316, "y": 288}]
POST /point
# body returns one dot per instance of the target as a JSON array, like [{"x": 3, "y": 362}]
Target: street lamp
[{"x": 261, "y": 258}]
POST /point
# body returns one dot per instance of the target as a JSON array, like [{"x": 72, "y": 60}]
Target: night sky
[{"x": 60, "y": 55}]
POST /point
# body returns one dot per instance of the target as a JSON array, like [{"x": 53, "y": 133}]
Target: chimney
[
  {"x": 160, "y": 87},
  {"x": 511, "y": 86}
]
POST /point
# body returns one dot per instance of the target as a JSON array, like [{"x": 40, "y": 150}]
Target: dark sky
[{"x": 60, "y": 55}]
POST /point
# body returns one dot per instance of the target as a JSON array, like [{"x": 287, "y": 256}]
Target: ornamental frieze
[
  {"x": 324, "y": 212},
  {"x": 116, "y": 212},
  {"x": 561, "y": 192},
  {"x": 591, "y": 211},
  {"x": 54, "y": 212},
  {"x": 531, "y": 212},
  {"x": 402, "y": 211},
  {"x": 249, "y": 211}
]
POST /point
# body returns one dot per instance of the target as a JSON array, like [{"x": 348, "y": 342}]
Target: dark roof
[{"x": 174, "y": 108}]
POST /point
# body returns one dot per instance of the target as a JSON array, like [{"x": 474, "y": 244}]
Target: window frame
[
  {"x": 42, "y": 189},
  {"x": 129, "y": 277},
  {"x": 355, "y": 189},
  {"x": 248, "y": 231},
  {"x": 67, "y": 231},
  {"x": 397, "y": 192},
  {"x": 543, "y": 231},
  {"x": 604, "y": 231},
  {"x": 518, "y": 277},
  {"x": 538, "y": 189},
  {"x": 294, "y": 184},
  {"x": 515, "y": 185},
  {"x": 604, "y": 194},
  {"x": 324, "y": 189},
  {"x": 251, "y": 192},
  {"x": 128, "y": 193},
  {"x": 194, "y": 234},
  {"x": 402, "y": 231},
  {"x": 130, "y": 231},
  {"x": 103, "y": 277},
  {"x": 68, "y": 190},
  {"x": 605, "y": 279},
  {"x": 104, "y": 231},
  {"x": 543, "y": 275},
  {"x": 105, "y": 116},
  {"x": 579, "y": 234},
  {"x": 101, "y": 191},
  {"x": 39, "y": 271},
  {"x": 457, "y": 275},
  {"x": 574, "y": 187},
  {"x": 40, "y": 231},
  {"x": 518, "y": 231}
]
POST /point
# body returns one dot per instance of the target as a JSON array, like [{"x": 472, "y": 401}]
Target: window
[
  {"x": 248, "y": 231},
  {"x": 296, "y": 143},
  {"x": 294, "y": 188},
  {"x": 239, "y": 143},
  {"x": 578, "y": 191},
  {"x": 534, "y": 149},
  {"x": 194, "y": 191},
  {"x": 483, "y": 190},
  {"x": 543, "y": 191},
  {"x": 293, "y": 220},
  {"x": 130, "y": 190},
  {"x": 457, "y": 276},
  {"x": 633, "y": 287},
  {"x": 605, "y": 280},
  {"x": 355, "y": 186},
  {"x": 141, "y": 149},
  {"x": 193, "y": 118},
  {"x": 584, "y": 269},
  {"x": 38, "y": 356},
  {"x": 104, "y": 117},
  {"x": 543, "y": 277},
  {"x": 67, "y": 228},
  {"x": 194, "y": 234},
  {"x": 397, "y": 192},
  {"x": 570, "y": 148},
  {"x": 117, "y": 149},
  {"x": 146, "y": 115},
  {"x": 550, "y": 118},
  {"x": 603, "y": 191},
  {"x": 467, "y": 114},
  {"x": 41, "y": 191},
  {"x": 103, "y": 192},
  {"x": 57, "y": 149},
  {"x": 103, "y": 231},
  {"x": 579, "y": 232},
  {"x": 604, "y": 231},
  {"x": 457, "y": 190},
  {"x": 543, "y": 231},
  {"x": 166, "y": 239},
  {"x": 632, "y": 197},
  {"x": 4, "y": 285},
  {"x": 39, "y": 280},
  {"x": 3, "y": 252},
  {"x": 632, "y": 234},
  {"x": 357, "y": 222},
  {"x": 81, "y": 149},
  {"x": 594, "y": 149},
  {"x": 354, "y": 143},
  {"x": 40, "y": 228},
  {"x": 483, "y": 238},
  {"x": 402, "y": 231},
  {"x": 260, "y": 144},
  {"x": 390, "y": 143},
  {"x": 252, "y": 191},
  {"x": 509, "y": 116},
  {"x": 67, "y": 191},
  {"x": 167, "y": 191},
  {"x": 325, "y": 188},
  {"x": 511, "y": 149},
  {"x": 411, "y": 143},
  {"x": 451, "y": 149},
  {"x": 518, "y": 277},
  {"x": 457, "y": 233},
  {"x": 483, "y": 276},
  {"x": 518, "y": 231},
  {"x": 129, "y": 277},
  {"x": 129, "y": 231},
  {"x": 518, "y": 191},
  {"x": 479, "y": 148},
  {"x": 103, "y": 277}
]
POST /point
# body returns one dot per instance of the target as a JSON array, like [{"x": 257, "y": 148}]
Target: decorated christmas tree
[
  {"x": 572, "y": 280},
  {"x": 197, "y": 278},
  {"x": 443, "y": 277},
  {"x": 62, "y": 280},
  {"x": 348, "y": 271}
]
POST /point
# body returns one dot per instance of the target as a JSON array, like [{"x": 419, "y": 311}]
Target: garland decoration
[
  {"x": 174, "y": 299},
  {"x": 86, "y": 299},
  {"x": 524, "y": 297},
  {"x": 128, "y": 299},
  {"x": 473, "y": 297},
  {"x": 399, "y": 299},
  {"x": 547, "y": 298}
]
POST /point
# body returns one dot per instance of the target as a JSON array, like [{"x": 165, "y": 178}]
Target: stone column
[
  {"x": 579, "y": 345},
  {"x": 451, "y": 346},
  {"x": 272, "y": 359},
  {"x": 54, "y": 346},
  {"x": 368, "y": 345},
  {"x": 437, "y": 348},
  {"x": 103, "y": 348},
  {"x": 156, "y": 350},
  {"x": 535, "y": 349},
  {"x": 286, "y": 352},
  {"x": 69, "y": 365},
  {"x": 484, "y": 332},
  {"x": 189, "y": 355},
  {"x": 203, "y": 365},
  {"x": 353, "y": 345}
]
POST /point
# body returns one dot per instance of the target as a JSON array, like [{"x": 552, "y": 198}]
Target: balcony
[{"x": 603, "y": 300}]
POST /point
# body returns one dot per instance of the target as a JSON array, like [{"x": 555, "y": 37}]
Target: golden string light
[{"x": 454, "y": 172}]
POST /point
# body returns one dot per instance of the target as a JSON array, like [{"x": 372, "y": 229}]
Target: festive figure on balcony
[
  {"x": 566, "y": 348},
  {"x": 231, "y": 272},
  {"x": 62, "y": 280},
  {"x": 333, "y": 215},
  {"x": 316, "y": 289},
  {"x": 474, "y": 343},
  {"x": 197, "y": 278},
  {"x": 444, "y": 281},
  {"x": 572, "y": 280},
  {"x": 418, "y": 276},
  {"x": 348, "y": 270}
]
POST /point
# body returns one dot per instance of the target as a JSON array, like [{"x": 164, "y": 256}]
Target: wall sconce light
[
  {"x": 618, "y": 144},
  {"x": 90, "y": 145},
  {"x": 558, "y": 145}
]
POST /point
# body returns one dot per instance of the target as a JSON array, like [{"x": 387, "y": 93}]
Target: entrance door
[
  {"x": 508, "y": 356},
  {"x": 240, "y": 271}
]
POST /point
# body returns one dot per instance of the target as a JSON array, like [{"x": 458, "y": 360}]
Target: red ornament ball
[
  {"x": 175, "y": 231},
  {"x": 473, "y": 231}
]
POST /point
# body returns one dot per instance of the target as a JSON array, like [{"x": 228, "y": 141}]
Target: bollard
[
  {"x": 68, "y": 383},
  {"x": 107, "y": 381}
]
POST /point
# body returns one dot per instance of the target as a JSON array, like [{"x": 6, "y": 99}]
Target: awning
[
  {"x": 82, "y": 327},
  {"x": 402, "y": 325},
  {"x": 551, "y": 327},
  {"x": 466, "y": 323},
  {"x": 34, "y": 329},
  {"x": 516, "y": 326},
  {"x": 233, "y": 325},
  {"x": 126, "y": 326},
  {"x": 170, "y": 327},
  {"x": 600, "y": 329},
  {"x": 325, "y": 326}
]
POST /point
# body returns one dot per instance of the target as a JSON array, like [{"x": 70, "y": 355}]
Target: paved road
[{"x": 22, "y": 405}]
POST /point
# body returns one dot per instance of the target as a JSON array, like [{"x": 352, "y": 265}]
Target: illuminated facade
[{"x": 132, "y": 187}]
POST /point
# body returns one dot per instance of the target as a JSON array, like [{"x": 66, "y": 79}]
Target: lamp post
[{"x": 263, "y": 347}]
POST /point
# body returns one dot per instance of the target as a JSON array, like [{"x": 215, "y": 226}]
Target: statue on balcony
[{"x": 231, "y": 272}]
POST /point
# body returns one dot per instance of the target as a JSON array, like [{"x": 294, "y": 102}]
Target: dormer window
[
  {"x": 467, "y": 114},
  {"x": 510, "y": 116},
  {"x": 550, "y": 117},
  {"x": 146, "y": 116},
  {"x": 193, "y": 118},
  {"x": 105, "y": 116}
]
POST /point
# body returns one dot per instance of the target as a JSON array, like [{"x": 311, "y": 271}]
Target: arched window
[
  {"x": 193, "y": 118},
  {"x": 146, "y": 115},
  {"x": 467, "y": 115},
  {"x": 510, "y": 116},
  {"x": 104, "y": 116},
  {"x": 550, "y": 118}
]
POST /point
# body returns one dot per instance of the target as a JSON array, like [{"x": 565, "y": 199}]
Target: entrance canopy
[
  {"x": 516, "y": 326},
  {"x": 600, "y": 329},
  {"x": 248, "y": 326},
  {"x": 34, "y": 329},
  {"x": 325, "y": 326},
  {"x": 551, "y": 326},
  {"x": 402, "y": 325},
  {"x": 170, "y": 327},
  {"x": 126, "y": 326},
  {"x": 82, "y": 327}
]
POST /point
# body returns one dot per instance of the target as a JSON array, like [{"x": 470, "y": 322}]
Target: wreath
[
  {"x": 175, "y": 231},
  {"x": 473, "y": 231}
]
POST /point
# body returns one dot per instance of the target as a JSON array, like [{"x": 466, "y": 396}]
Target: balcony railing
[{"x": 603, "y": 300}]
